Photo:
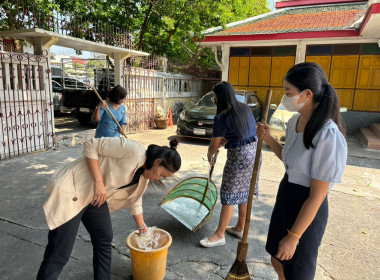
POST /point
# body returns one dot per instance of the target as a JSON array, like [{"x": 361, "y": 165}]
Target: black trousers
[{"x": 61, "y": 242}]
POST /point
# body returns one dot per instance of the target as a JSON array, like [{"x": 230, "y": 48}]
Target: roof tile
[{"x": 301, "y": 19}]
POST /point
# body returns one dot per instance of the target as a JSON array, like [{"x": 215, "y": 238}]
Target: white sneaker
[
  {"x": 206, "y": 243},
  {"x": 238, "y": 234}
]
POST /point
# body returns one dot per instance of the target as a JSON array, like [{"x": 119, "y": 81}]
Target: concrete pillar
[
  {"x": 42, "y": 44},
  {"x": 38, "y": 45},
  {"x": 118, "y": 70},
  {"x": 300, "y": 52},
  {"x": 225, "y": 61}
]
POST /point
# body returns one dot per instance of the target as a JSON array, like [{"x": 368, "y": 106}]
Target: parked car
[
  {"x": 197, "y": 120},
  {"x": 279, "y": 121}
]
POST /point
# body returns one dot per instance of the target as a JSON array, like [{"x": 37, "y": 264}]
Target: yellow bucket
[{"x": 149, "y": 265}]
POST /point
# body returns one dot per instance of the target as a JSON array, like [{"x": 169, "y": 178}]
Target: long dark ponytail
[
  {"x": 228, "y": 104},
  {"x": 309, "y": 75}
]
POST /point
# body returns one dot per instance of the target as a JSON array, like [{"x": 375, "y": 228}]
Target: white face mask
[{"x": 291, "y": 103}]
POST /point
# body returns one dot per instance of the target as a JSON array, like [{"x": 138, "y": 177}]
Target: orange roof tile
[{"x": 322, "y": 18}]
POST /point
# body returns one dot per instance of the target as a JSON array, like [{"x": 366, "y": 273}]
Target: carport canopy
[
  {"x": 52, "y": 38},
  {"x": 43, "y": 40}
]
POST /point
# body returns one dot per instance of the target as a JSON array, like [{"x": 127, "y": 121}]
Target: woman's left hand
[
  {"x": 100, "y": 194},
  {"x": 287, "y": 248}
]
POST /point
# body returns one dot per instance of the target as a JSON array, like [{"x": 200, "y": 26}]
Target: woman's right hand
[
  {"x": 100, "y": 194},
  {"x": 263, "y": 131},
  {"x": 143, "y": 229}
]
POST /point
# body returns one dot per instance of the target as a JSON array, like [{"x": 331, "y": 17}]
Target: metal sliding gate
[
  {"x": 140, "y": 84},
  {"x": 26, "y": 115}
]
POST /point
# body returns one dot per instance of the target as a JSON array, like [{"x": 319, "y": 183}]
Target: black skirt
[{"x": 289, "y": 200}]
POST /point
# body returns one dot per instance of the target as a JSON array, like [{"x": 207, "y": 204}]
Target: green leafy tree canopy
[{"x": 162, "y": 27}]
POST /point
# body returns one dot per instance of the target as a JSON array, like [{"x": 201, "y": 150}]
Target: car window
[
  {"x": 57, "y": 79},
  {"x": 207, "y": 100},
  {"x": 240, "y": 98},
  {"x": 56, "y": 86}
]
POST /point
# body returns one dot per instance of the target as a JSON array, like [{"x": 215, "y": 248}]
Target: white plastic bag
[{"x": 149, "y": 240}]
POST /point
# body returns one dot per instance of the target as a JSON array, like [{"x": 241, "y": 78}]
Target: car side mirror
[
  {"x": 273, "y": 106},
  {"x": 193, "y": 102}
]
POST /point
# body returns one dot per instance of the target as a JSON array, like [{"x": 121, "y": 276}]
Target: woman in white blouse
[{"x": 314, "y": 155}]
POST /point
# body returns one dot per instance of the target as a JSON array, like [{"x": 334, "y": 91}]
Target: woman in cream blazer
[{"x": 112, "y": 174}]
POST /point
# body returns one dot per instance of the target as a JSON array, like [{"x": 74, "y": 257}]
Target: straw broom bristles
[{"x": 239, "y": 270}]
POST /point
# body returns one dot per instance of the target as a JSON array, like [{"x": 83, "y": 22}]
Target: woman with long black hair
[
  {"x": 314, "y": 155},
  {"x": 235, "y": 128}
]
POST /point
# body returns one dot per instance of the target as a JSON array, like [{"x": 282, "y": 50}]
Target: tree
[
  {"x": 163, "y": 27},
  {"x": 170, "y": 26}
]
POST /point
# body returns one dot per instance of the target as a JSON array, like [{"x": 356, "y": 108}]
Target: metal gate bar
[
  {"x": 26, "y": 111},
  {"x": 139, "y": 83}
]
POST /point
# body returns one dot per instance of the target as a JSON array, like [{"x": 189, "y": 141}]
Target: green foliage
[
  {"x": 163, "y": 27},
  {"x": 15, "y": 13}
]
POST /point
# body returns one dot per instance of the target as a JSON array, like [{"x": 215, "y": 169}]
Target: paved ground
[{"x": 349, "y": 249}]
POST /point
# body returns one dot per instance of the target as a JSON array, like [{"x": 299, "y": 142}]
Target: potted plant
[{"x": 161, "y": 119}]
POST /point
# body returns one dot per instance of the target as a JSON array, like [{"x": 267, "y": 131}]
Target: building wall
[
  {"x": 177, "y": 104},
  {"x": 353, "y": 68},
  {"x": 356, "y": 120},
  {"x": 177, "y": 91}
]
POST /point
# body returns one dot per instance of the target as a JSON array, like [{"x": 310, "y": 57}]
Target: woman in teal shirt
[
  {"x": 314, "y": 155},
  {"x": 106, "y": 125}
]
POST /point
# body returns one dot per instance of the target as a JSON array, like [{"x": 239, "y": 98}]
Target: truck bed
[{"x": 76, "y": 98}]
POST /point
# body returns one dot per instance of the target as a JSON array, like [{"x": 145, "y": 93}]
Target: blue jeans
[{"x": 61, "y": 240}]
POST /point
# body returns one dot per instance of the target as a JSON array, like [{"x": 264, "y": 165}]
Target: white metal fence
[{"x": 26, "y": 107}]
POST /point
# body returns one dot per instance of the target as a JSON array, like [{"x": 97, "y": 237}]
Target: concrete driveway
[{"x": 349, "y": 249}]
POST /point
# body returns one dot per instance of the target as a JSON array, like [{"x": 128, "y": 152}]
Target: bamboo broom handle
[
  {"x": 209, "y": 177},
  {"x": 255, "y": 170},
  {"x": 109, "y": 111}
]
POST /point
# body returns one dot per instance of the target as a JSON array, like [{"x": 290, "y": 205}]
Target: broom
[
  {"x": 109, "y": 111},
  {"x": 239, "y": 270}
]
